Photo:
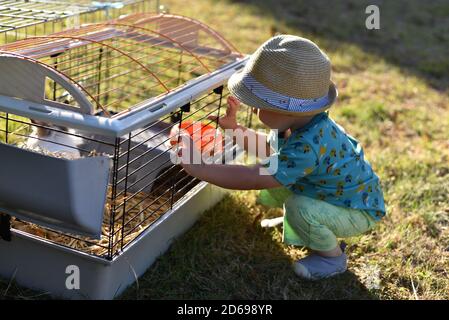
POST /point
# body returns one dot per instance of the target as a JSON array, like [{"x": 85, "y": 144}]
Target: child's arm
[
  {"x": 229, "y": 121},
  {"x": 237, "y": 177}
]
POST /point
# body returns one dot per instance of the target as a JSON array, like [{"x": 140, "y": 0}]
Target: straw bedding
[
  {"x": 95, "y": 246},
  {"x": 145, "y": 207}
]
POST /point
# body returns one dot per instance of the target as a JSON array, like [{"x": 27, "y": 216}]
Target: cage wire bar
[
  {"x": 112, "y": 62},
  {"x": 134, "y": 200},
  {"x": 21, "y": 19},
  {"x": 120, "y": 67}
]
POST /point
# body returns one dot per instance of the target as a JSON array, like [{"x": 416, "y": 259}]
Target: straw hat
[{"x": 287, "y": 74}]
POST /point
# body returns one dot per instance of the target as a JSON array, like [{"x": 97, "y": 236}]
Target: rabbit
[{"x": 56, "y": 142}]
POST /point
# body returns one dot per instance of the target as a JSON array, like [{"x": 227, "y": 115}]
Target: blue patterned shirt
[{"x": 322, "y": 161}]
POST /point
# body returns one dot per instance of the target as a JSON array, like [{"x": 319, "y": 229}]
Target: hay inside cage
[{"x": 146, "y": 208}]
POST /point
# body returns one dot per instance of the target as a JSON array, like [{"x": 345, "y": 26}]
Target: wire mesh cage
[
  {"x": 86, "y": 117},
  {"x": 20, "y": 19}
]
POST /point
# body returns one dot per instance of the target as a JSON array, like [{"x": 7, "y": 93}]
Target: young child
[{"x": 327, "y": 188}]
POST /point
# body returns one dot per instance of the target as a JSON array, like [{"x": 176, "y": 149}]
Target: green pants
[{"x": 313, "y": 223}]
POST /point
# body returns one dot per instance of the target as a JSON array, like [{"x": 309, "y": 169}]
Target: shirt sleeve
[{"x": 293, "y": 161}]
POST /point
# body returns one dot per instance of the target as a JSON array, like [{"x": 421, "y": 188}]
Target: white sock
[{"x": 269, "y": 223}]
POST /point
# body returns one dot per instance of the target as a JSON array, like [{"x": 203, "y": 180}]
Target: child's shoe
[{"x": 315, "y": 267}]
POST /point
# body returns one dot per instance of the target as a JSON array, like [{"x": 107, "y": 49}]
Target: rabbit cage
[
  {"x": 86, "y": 179},
  {"x": 21, "y": 19}
]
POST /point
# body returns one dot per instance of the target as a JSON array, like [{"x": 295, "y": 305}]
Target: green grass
[{"x": 394, "y": 98}]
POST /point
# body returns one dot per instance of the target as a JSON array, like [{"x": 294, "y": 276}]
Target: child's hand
[
  {"x": 229, "y": 120},
  {"x": 189, "y": 156}
]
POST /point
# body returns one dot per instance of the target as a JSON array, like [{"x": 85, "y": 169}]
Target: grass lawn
[{"x": 394, "y": 98}]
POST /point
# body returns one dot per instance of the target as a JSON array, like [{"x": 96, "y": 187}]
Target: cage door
[{"x": 66, "y": 195}]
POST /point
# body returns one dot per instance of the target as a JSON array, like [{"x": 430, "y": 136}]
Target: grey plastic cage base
[{"x": 41, "y": 265}]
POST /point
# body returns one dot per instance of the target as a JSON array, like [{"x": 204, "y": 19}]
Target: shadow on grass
[
  {"x": 227, "y": 255},
  {"x": 413, "y": 34}
]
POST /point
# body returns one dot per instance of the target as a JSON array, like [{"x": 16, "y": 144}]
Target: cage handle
[{"x": 25, "y": 79}]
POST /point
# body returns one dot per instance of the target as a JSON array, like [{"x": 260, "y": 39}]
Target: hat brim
[{"x": 241, "y": 92}]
